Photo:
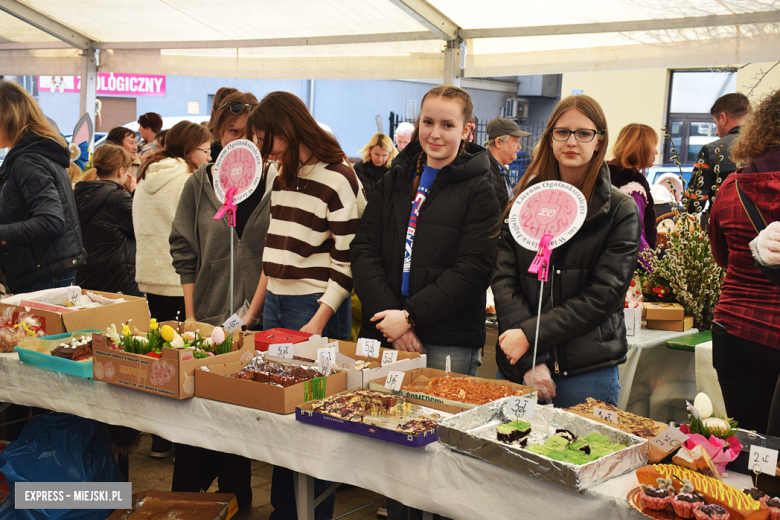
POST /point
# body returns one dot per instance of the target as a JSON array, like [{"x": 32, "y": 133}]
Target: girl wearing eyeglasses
[
  {"x": 200, "y": 247},
  {"x": 582, "y": 336}
]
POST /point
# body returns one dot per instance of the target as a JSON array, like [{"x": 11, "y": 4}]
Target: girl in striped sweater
[{"x": 316, "y": 205}]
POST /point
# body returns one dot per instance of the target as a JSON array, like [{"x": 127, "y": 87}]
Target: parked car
[{"x": 655, "y": 172}]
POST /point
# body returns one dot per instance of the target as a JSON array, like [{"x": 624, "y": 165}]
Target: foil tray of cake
[
  {"x": 561, "y": 448},
  {"x": 374, "y": 414}
]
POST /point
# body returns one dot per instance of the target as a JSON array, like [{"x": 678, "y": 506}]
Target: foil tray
[{"x": 473, "y": 432}]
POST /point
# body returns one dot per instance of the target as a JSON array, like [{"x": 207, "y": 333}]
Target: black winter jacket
[
  {"x": 39, "y": 231},
  {"x": 582, "y": 328},
  {"x": 499, "y": 181},
  {"x": 369, "y": 175},
  {"x": 106, "y": 216},
  {"x": 452, "y": 256}
]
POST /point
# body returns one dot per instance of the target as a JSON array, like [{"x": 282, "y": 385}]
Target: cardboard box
[
  {"x": 361, "y": 378},
  {"x": 674, "y": 325},
  {"x": 633, "y": 319},
  {"x": 432, "y": 401},
  {"x": 278, "y": 335},
  {"x": 305, "y": 414},
  {"x": 229, "y": 499},
  {"x": 57, "y": 320},
  {"x": 663, "y": 311},
  {"x": 215, "y": 385},
  {"x": 171, "y": 375}
]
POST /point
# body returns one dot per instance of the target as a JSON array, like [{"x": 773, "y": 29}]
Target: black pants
[
  {"x": 196, "y": 468},
  {"x": 283, "y": 497},
  {"x": 164, "y": 308},
  {"x": 748, "y": 374}
]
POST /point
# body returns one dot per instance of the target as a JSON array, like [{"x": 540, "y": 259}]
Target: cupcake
[
  {"x": 774, "y": 508},
  {"x": 655, "y": 497},
  {"x": 756, "y": 494},
  {"x": 686, "y": 501},
  {"x": 711, "y": 511}
]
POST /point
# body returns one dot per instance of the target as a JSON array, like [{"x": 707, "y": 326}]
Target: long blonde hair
[
  {"x": 107, "y": 159},
  {"x": 21, "y": 115},
  {"x": 545, "y": 166},
  {"x": 382, "y": 141}
]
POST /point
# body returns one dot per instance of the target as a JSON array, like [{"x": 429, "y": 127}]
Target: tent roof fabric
[{"x": 390, "y": 39}]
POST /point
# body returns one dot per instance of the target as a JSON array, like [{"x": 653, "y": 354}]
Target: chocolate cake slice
[{"x": 516, "y": 432}]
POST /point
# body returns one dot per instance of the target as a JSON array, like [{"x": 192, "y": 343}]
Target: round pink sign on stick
[
  {"x": 548, "y": 208},
  {"x": 239, "y": 166}
]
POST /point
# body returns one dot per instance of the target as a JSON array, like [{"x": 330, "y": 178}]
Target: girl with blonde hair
[
  {"x": 40, "y": 238},
  {"x": 582, "y": 336},
  {"x": 378, "y": 155}
]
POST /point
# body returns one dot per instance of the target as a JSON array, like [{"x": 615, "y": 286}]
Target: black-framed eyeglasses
[
  {"x": 583, "y": 135},
  {"x": 207, "y": 152},
  {"x": 237, "y": 106}
]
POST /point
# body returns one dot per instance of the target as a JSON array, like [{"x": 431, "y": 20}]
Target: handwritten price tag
[
  {"x": 607, "y": 415},
  {"x": 232, "y": 324},
  {"x": 520, "y": 407},
  {"x": 326, "y": 367},
  {"x": 448, "y": 365},
  {"x": 282, "y": 350},
  {"x": 763, "y": 460},
  {"x": 394, "y": 380},
  {"x": 669, "y": 438},
  {"x": 389, "y": 356},
  {"x": 73, "y": 295},
  {"x": 368, "y": 347},
  {"x": 328, "y": 352},
  {"x": 334, "y": 345}
]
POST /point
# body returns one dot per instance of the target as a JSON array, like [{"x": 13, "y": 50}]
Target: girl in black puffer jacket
[
  {"x": 582, "y": 337},
  {"x": 106, "y": 216},
  {"x": 421, "y": 260}
]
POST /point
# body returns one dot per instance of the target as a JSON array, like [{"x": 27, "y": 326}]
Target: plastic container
[{"x": 74, "y": 368}]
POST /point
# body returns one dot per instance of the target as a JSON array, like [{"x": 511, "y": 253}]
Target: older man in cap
[{"x": 503, "y": 144}]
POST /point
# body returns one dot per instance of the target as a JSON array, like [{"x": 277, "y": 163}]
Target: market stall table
[{"x": 431, "y": 478}]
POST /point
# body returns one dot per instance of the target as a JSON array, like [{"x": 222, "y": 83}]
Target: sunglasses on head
[{"x": 237, "y": 106}]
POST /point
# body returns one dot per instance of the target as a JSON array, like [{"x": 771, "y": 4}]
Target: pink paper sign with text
[
  {"x": 238, "y": 166},
  {"x": 548, "y": 208}
]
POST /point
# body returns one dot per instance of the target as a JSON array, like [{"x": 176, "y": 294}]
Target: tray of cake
[
  {"x": 70, "y": 353},
  {"x": 378, "y": 415},
  {"x": 452, "y": 389},
  {"x": 553, "y": 445}
]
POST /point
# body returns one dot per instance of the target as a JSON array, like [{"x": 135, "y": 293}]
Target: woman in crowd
[
  {"x": 200, "y": 248},
  {"x": 635, "y": 150},
  {"x": 582, "y": 336},
  {"x": 149, "y": 125},
  {"x": 106, "y": 217},
  {"x": 424, "y": 251},
  {"x": 126, "y": 138},
  {"x": 40, "y": 239},
  {"x": 219, "y": 104},
  {"x": 316, "y": 206},
  {"x": 377, "y": 156},
  {"x": 746, "y": 325},
  {"x": 161, "y": 181}
]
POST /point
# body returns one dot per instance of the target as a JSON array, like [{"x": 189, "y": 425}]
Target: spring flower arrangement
[
  {"x": 715, "y": 434},
  {"x": 683, "y": 269},
  {"x": 159, "y": 338}
]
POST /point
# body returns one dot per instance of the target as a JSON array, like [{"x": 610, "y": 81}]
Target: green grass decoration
[{"x": 697, "y": 426}]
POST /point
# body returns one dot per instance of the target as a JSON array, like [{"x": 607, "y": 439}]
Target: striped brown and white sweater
[{"x": 312, "y": 224}]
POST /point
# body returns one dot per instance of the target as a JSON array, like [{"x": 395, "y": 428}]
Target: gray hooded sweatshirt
[{"x": 200, "y": 247}]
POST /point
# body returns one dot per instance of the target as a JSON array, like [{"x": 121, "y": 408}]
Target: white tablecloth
[{"x": 432, "y": 478}]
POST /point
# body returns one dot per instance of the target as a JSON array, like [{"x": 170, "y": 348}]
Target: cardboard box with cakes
[
  {"x": 162, "y": 358},
  {"x": 666, "y": 316}
]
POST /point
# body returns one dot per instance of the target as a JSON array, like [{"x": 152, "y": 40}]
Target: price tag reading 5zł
[
  {"x": 281, "y": 350},
  {"x": 389, "y": 356},
  {"x": 328, "y": 353},
  {"x": 607, "y": 415},
  {"x": 232, "y": 324},
  {"x": 368, "y": 347},
  {"x": 763, "y": 460},
  {"x": 520, "y": 407},
  {"x": 394, "y": 380}
]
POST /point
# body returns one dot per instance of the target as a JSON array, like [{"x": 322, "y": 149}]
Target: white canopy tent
[{"x": 379, "y": 39}]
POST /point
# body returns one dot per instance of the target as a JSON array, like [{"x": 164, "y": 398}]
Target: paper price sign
[
  {"x": 326, "y": 367},
  {"x": 394, "y": 380},
  {"x": 520, "y": 407},
  {"x": 232, "y": 324},
  {"x": 448, "y": 365},
  {"x": 73, "y": 294},
  {"x": 389, "y": 356},
  {"x": 282, "y": 350},
  {"x": 368, "y": 347},
  {"x": 607, "y": 415},
  {"x": 763, "y": 460},
  {"x": 328, "y": 353},
  {"x": 334, "y": 345},
  {"x": 669, "y": 438}
]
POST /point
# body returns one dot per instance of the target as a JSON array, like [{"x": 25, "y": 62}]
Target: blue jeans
[
  {"x": 603, "y": 385},
  {"x": 293, "y": 312},
  {"x": 64, "y": 278},
  {"x": 463, "y": 360}
]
